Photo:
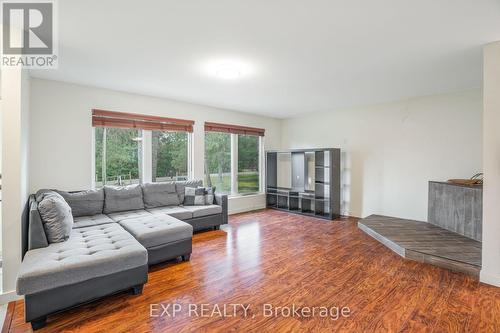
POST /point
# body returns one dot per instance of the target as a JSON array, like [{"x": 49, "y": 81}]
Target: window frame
[
  {"x": 145, "y": 160},
  {"x": 234, "y": 166}
]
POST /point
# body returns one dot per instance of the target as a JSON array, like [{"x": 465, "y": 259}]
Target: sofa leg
[
  {"x": 217, "y": 227},
  {"x": 39, "y": 323},
  {"x": 186, "y": 257},
  {"x": 137, "y": 290}
]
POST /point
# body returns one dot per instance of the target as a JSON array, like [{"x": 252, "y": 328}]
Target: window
[
  {"x": 232, "y": 158},
  {"x": 132, "y": 148},
  {"x": 169, "y": 156},
  {"x": 218, "y": 161},
  {"x": 248, "y": 164},
  {"x": 118, "y": 153}
]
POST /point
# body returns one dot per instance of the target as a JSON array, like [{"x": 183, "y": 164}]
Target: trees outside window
[
  {"x": 169, "y": 156},
  {"x": 118, "y": 154},
  {"x": 248, "y": 164},
  {"x": 218, "y": 161}
]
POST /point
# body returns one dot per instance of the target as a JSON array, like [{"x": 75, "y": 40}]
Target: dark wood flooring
[
  {"x": 283, "y": 259},
  {"x": 425, "y": 242}
]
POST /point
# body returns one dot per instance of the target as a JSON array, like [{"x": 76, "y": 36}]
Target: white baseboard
[
  {"x": 488, "y": 278},
  {"x": 244, "y": 210},
  {"x": 9, "y": 296}
]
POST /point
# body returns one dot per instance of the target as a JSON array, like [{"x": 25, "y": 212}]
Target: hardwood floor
[{"x": 282, "y": 259}]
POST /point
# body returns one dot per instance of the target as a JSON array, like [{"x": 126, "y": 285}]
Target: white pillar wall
[
  {"x": 15, "y": 119},
  {"x": 490, "y": 272}
]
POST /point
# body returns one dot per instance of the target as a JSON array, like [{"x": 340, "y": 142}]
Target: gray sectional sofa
[{"x": 117, "y": 232}]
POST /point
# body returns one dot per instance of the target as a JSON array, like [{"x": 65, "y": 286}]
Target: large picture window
[
  {"x": 117, "y": 156},
  {"x": 169, "y": 156},
  {"x": 132, "y": 148},
  {"x": 232, "y": 158},
  {"x": 218, "y": 161}
]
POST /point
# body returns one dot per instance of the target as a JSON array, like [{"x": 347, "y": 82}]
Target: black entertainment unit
[{"x": 304, "y": 181}]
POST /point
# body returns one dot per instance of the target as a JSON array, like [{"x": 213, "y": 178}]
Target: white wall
[
  {"x": 391, "y": 151},
  {"x": 15, "y": 153},
  {"x": 61, "y": 131},
  {"x": 490, "y": 272}
]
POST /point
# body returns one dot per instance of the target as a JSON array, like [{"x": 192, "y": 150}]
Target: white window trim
[
  {"x": 234, "y": 168},
  {"x": 190, "y": 168},
  {"x": 234, "y": 165}
]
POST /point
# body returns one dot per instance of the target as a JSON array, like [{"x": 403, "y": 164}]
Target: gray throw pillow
[
  {"x": 160, "y": 194},
  {"x": 209, "y": 195},
  {"x": 84, "y": 203},
  {"x": 56, "y": 217},
  {"x": 122, "y": 198},
  {"x": 194, "y": 196},
  {"x": 181, "y": 185}
]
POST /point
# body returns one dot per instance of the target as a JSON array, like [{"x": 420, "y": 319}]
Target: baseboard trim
[
  {"x": 9, "y": 297},
  {"x": 491, "y": 279},
  {"x": 245, "y": 210}
]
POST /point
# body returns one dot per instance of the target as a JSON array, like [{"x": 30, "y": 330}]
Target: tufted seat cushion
[
  {"x": 89, "y": 252},
  {"x": 88, "y": 221},
  {"x": 178, "y": 212},
  {"x": 152, "y": 231},
  {"x": 130, "y": 214}
]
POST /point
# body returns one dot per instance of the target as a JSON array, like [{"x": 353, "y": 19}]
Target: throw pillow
[
  {"x": 56, "y": 217},
  {"x": 181, "y": 185},
  {"x": 209, "y": 195},
  {"x": 194, "y": 196}
]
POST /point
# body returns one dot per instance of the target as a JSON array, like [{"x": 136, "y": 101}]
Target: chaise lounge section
[{"x": 117, "y": 233}]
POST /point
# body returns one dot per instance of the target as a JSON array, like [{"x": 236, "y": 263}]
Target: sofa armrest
[{"x": 221, "y": 200}]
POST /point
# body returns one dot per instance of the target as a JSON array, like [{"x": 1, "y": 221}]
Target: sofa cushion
[
  {"x": 194, "y": 196},
  {"x": 89, "y": 252},
  {"x": 87, "y": 221},
  {"x": 122, "y": 198},
  {"x": 131, "y": 214},
  {"x": 179, "y": 187},
  {"x": 84, "y": 203},
  {"x": 199, "y": 211},
  {"x": 156, "y": 230},
  {"x": 56, "y": 217},
  {"x": 160, "y": 194},
  {"x": 178, "y": 212}
]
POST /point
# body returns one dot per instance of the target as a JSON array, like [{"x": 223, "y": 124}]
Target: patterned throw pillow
[
  {"x": 194, "y": 196},
  {"x": 209, "y": 195}
]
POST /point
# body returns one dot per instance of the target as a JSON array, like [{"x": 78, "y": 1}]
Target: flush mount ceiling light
[
  {"x": 228, "y": 69},
  {"x": 228, "y": 72}
]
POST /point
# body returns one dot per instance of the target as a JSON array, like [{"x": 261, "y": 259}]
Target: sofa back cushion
[
  {"x": 180, "y": 187},
  {"x": 85, "y": 203},
  {"x": 160, "y": 194},
  {"x": 56, "y": 216},
  {"x": 122, "y": 198}
]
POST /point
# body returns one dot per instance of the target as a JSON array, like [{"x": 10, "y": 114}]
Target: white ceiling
[{"x": 306, "y": 55}]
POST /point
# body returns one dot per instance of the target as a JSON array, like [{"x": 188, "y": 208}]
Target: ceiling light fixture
[
  {"x": 227, "y": 68},
  {"x": 228, "y": 72}
]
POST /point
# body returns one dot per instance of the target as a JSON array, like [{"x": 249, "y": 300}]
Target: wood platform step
[{"x": 424, "y": 242}]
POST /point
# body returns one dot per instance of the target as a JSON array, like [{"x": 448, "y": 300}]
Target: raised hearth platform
[{"x": 424, "y": 242}]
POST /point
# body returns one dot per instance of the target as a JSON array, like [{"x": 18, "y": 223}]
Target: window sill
[{"x": 252, "y": 195}]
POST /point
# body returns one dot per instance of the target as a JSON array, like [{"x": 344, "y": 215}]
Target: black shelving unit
[{"x": 304, "y": 181}]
